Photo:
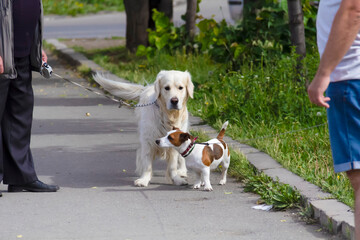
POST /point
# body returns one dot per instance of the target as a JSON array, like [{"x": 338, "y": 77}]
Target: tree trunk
[
  {"x": 190, "y": 18},
  {"x": 296, "y": 22},
  {"x": 137, "y": 20},
  {"x": 165, "y": 6}
]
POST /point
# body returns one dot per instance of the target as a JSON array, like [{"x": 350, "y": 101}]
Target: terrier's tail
[{"x": 222, "y": 131}]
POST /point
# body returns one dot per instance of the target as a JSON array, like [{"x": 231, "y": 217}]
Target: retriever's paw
[
  {"x": 196, "y": 186},
  {"x": 208, "y": 188},
  {"x": 182, "y": 173},
  {"x": 141, "y": 182},
  {"x": 222, "y": 182},
  {"x": 179, "y": 181}
]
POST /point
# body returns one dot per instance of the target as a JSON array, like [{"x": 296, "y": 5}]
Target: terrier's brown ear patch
[
  {"x": 178, "y": 138},
  {"x": 184, "y": 137},
  {"x": 175, "y": 128}
]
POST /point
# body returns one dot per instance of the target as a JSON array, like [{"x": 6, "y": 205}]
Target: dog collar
[{"x": 189, "y": 148}]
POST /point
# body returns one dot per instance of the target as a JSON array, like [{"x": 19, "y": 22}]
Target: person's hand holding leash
[
  {"x": 46, "y": 69},
  {"x": 44, "y": 56}
]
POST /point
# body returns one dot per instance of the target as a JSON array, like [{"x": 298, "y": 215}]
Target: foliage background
[{"x": 75, "y": 7}]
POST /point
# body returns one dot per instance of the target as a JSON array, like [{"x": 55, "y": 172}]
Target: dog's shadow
[
  {"x": 160, "y": 183},
  {"x": 113, "y": 171}
]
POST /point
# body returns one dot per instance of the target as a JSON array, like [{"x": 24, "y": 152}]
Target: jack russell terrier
[{"x": 200, "y": 157}]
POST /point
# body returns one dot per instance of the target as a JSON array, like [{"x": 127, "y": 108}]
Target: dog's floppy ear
[
  {"x": 184, "y": 137},
  {"x": 189, "y": 85},
  {"x": 157, "y": 84}
]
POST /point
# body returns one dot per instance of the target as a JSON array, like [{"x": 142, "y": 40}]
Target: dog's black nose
[
  {"x": 157, "y": 142},
  {"x": 174, "y": 101}
]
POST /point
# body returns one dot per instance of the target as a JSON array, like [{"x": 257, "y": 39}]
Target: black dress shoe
[{"x": 36, "y": 186}]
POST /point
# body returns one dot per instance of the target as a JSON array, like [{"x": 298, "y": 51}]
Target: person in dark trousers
[
  {"x": 20, "y": 54},
  {"x": 338, "y": 37}
]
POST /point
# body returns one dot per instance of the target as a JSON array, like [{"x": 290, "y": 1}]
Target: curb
[{"x": 333, "y": 215}]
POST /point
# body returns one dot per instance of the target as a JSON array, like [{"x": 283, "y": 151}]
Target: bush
[{"x": 264, "y": 32}]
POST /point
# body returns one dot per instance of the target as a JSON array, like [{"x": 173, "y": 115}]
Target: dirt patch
[{"x": 94, "y": 43}]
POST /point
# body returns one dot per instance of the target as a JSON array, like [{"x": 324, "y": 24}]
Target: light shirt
[{"x": 349, "y": 67}]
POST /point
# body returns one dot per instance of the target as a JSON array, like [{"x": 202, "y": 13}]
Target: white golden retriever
[{"x": 171, "y": 91}]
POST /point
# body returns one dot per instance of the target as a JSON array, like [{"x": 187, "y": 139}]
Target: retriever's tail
[
  {"x": 126, "y": 91},
  {"x": 222, "y": 131}
]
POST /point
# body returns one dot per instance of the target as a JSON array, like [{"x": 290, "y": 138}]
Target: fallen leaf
[
  {"x": 228, "y": 192},
  {"x": 19, "y": 236},
  {"x": 88, "y": 114},
  {"x": 94, "y": 187},
  {"x": 282, "y": 220}
]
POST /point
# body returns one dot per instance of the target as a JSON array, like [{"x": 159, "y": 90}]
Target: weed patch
[{"x": 281, "y": 196}]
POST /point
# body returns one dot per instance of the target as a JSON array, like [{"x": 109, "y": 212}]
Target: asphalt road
[
  {"x": 89, "y": 26},
  {"x": 114, "y": 24}
]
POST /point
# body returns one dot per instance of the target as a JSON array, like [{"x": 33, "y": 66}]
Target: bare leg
[{"x": 354, "y": 176}]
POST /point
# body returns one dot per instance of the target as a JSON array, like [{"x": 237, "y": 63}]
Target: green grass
[
  {"x": 76, "y": 7},
  {"x": 261, "y": 104}
]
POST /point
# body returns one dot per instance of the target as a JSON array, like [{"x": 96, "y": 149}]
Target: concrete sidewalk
[{"x": 87, "y": 145}]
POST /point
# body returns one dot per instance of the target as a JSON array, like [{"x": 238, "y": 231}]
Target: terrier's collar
[{"x": 189, "y": 148}]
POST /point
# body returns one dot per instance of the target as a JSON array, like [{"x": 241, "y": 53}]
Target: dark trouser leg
[
  {"x": 4, "y": 87},
  {"x": 16, "y": 123}
]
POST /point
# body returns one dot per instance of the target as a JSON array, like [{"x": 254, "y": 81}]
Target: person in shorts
[{"x": 338, "y": 38}]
